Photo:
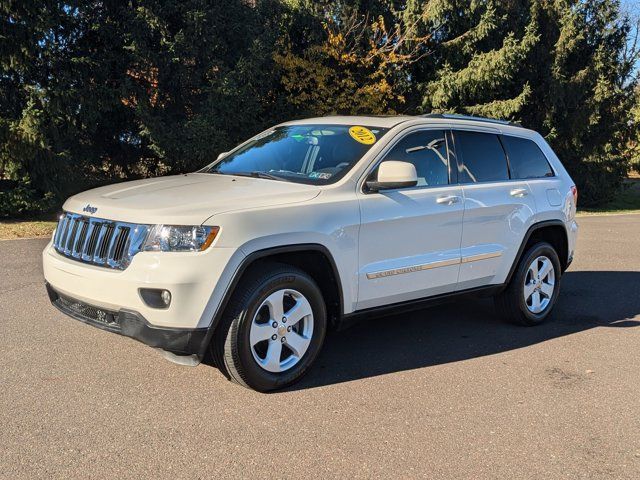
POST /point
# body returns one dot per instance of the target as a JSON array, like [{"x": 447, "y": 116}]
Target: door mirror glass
[{"x": 393, "y": 174}]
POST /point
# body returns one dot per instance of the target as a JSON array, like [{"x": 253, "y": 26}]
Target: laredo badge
[{"x": 362, "y": 135}]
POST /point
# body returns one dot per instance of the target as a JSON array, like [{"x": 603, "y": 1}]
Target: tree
[
  {"x": 476, "y": 61},
  {"x": 556, "y": 66},
  {"x": 99, "y": 91},
  {"x": 633, "y": 150},
  {"x": 359, "y": 65},
  {"x": 64, "y": 74},
  {"x": 203, "y": 76},
  {"x": 585, "y": 94}
]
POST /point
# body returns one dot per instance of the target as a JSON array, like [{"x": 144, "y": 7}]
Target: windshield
[{"x": 314, "y": 154}]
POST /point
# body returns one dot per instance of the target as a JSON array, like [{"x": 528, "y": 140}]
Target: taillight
[{"x": 574, "y": 191}]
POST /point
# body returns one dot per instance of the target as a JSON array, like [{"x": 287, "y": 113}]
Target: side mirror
[
  {"x": 222, "y": 155},
  {"x": 393, "y": 174}
]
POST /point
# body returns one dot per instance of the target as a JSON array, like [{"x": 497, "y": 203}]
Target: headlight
[{"x": 168, "y": 238}]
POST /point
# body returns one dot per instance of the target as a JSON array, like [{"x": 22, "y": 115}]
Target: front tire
[
  {"x": 534, "y": 287},
  {"x": 272, "y": 330}
]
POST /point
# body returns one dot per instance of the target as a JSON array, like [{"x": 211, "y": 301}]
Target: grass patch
[{"x": 11, "y": 229}]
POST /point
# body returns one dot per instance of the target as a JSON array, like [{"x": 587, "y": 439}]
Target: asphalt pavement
[{"x": 447, "y": 392}]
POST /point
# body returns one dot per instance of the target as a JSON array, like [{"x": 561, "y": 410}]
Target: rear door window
[
  {"x": 482, "y": 156},
  {"x": 526, "y": 160}
]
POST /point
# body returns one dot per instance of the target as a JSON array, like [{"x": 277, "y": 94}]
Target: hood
[{"x": 185, "y": 199}]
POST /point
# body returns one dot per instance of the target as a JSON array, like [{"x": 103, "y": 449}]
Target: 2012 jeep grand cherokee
[{"x": 309, "y": 223}]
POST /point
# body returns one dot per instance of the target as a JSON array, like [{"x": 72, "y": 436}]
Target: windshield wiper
[
  {"x": 290, "y": 172},
  {"x": 256, "y": 174}
]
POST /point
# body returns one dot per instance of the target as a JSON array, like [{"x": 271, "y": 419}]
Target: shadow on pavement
[{"x": 469, "y": 329}]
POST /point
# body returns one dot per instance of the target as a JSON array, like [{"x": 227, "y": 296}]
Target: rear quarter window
[{"x": 526, "y": 160}]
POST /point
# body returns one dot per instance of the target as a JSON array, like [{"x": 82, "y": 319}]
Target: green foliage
[
  {"x": 555, "y": 66},
  {"x": 102, "y": 91},
  {"x": 202, "y": 76},
  {"x": 633, "y": 145},
  {"x": 359, "y": 65},
  {"x": 19, "y": 200}
]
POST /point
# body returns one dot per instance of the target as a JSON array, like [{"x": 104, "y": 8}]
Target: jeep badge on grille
[{"x": 89, "y": 209}]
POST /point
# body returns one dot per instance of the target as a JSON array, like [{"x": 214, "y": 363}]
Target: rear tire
[
  {"x": 534, "y": 287},
  {"x": 272, "y": 330}
]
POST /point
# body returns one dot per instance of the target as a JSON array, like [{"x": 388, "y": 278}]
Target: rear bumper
[
  {"x": 181, "y": 341},
  {"x": 572, "y": 237}
]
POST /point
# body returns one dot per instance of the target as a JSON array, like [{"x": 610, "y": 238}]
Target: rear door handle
[
  {"x": 448, "y": 199},
  {"x": 518, "y": 192}
]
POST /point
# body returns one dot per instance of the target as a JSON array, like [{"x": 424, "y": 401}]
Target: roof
[
  {"x": 389, "y": 121},
  {"x": 383, "y": 121},
  {"x": 470, "y": 118}
]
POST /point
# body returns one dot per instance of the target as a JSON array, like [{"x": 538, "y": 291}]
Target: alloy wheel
[
  {"x": 539, "y": 284},
  {"x": 281, "y": 330}
]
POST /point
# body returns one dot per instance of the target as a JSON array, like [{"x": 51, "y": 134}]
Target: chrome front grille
[{"x": 98, "y": 241}]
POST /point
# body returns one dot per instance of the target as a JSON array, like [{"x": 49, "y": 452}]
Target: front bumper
[
  {"x": 181, "y": 341},
  {"x": 197, "y": 282}
]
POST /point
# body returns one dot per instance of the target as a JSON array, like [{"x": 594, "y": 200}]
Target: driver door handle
[
  {"x": 519, "y": 192},
  {"x": 448, "y": 199}
]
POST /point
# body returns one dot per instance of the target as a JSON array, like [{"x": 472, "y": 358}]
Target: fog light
[
  {"x": 156, "y": 297},
  {"x": 166, "y": 297}
]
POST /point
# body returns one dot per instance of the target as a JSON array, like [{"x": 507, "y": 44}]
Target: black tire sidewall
[
  {"x": 538, "y": 250},
  {"x": 253, "y": 374}
]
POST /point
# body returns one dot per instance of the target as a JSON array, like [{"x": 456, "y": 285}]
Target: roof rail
[{"x": 455, "y": 116}]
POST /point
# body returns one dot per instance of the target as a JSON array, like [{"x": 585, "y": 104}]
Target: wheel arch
[
  {"x": 314, "y": 259},
  {"x": 551, "y": 231}
]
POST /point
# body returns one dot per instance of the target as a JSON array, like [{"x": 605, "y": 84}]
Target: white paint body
[{"x": 388, "y": 247}]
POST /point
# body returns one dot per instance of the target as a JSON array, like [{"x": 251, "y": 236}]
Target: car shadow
[{"x": 469, "y": 328}]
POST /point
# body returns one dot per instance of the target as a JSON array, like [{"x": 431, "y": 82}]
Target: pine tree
[
  {"x": 587, "y": 97},
  {"x": 202, "y": 75},
  {"x": 633, "y": 146},
  {"x": 64, "y": 126},
  {"x": 554, "y": 65},
  {"x": 99, "y": 91},
  {"x": 476, "y": 59}
]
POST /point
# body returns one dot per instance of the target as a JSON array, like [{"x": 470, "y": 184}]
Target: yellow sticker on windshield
[{"x": 362, "y": 135}]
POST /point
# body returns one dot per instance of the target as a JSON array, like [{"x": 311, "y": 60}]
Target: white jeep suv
[{"x": 311, "y": 223}]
